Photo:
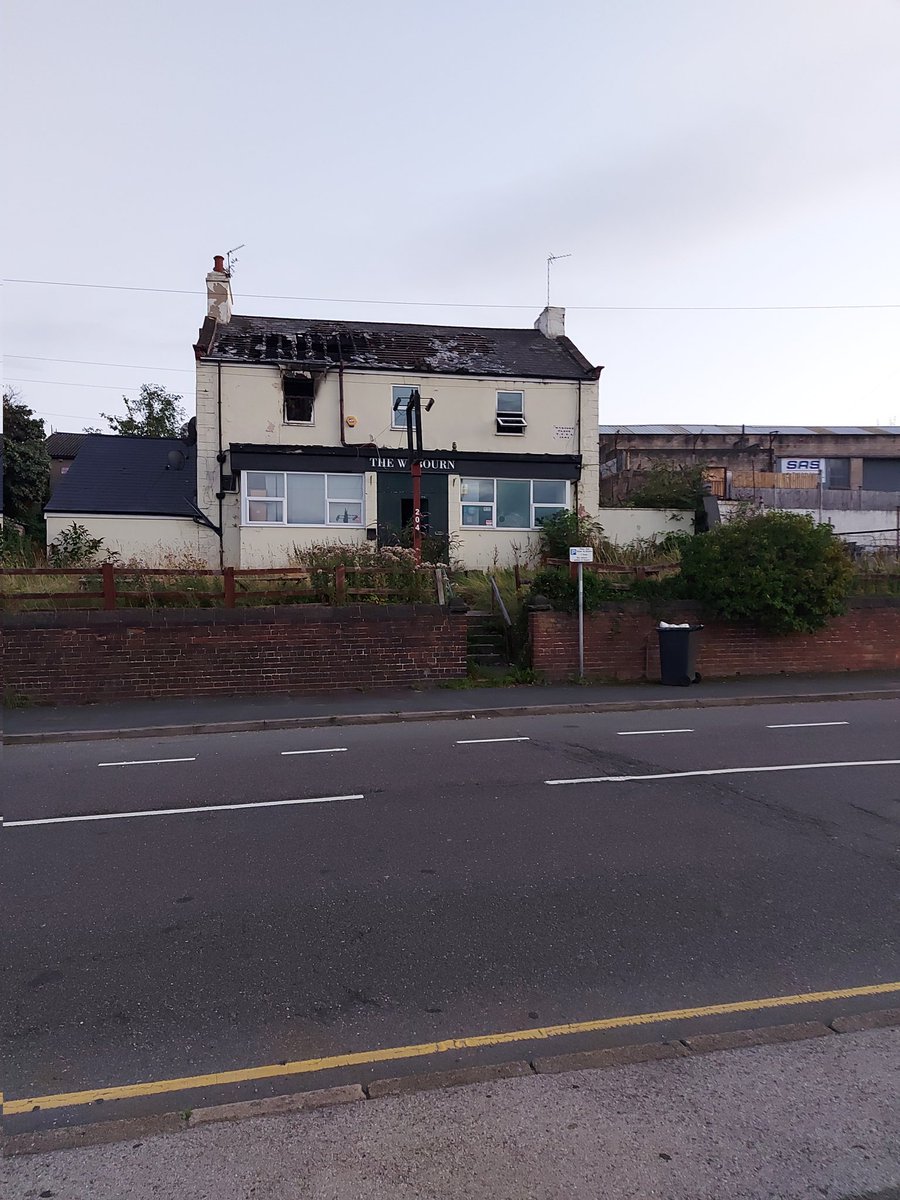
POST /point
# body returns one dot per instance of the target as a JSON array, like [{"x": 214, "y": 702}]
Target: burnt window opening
[{"x": 299, "y": 398}]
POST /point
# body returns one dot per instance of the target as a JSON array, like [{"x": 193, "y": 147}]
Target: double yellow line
[{"x": 308, "y": 1066}]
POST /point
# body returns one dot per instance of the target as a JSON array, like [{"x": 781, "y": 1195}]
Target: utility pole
[
  {"x": 414, "y": 446},
  {"x": 414, "y": 433}
]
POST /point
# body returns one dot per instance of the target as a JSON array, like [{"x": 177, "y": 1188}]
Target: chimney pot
[{"x": 218, "y": 292}]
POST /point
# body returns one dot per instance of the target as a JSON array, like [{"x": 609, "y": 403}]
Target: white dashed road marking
[
  {"x": 643, "y": 732},
  {"x": 478, "y": 741},
  {"x": 142, "y": 762},
  {"x": 808, "y": 725},
  {"x": 333, "y": 750}
]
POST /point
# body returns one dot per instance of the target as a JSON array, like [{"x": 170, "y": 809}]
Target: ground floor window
[
  {"x": 511, "y": 503},
  {"x": 286, "y": 498}
]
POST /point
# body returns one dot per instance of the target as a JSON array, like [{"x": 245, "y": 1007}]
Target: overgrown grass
[
  {"x": 877, "y": 574},
  {"x": 482, "y": 677},
  {"x": 475, "y": 588}
]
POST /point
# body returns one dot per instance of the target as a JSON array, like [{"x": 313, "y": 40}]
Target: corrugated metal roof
[
  {"x": 754, "y": 430},
  {"x": 64, "y": 445}
]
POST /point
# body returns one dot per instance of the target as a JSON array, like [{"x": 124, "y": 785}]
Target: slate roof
[
  {"x": 127, "y": 475},
  {"x": 65, "y": 445},
  {"x": 377, "y": 346}
]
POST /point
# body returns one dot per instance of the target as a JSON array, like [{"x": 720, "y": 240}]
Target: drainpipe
[
  {"x": 344, "y": 441},
  {"x": 220, "y": 458},
  {"x": 578, "y": 444}
]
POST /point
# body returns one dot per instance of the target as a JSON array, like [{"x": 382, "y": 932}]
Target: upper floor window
[
  {"x": 299, "y": 399},
  {"x": 511, "y": 412},
  {"x": 398, "y": 410},
  {"x": 511, "y": 503},
  {"x": 295, "y": 498}
]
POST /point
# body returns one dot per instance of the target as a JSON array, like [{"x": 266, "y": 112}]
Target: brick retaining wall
[
  {"x": 620, "y": 642},
  {"x": 82, "y": 657}
]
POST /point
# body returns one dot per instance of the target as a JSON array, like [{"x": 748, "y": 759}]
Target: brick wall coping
[{"x": 283, "y": 614}]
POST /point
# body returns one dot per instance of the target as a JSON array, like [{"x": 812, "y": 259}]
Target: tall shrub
[{"x": 777, "y": 570}]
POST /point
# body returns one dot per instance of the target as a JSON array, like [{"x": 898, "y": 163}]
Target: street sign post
[{"x": 581, "y": 555}]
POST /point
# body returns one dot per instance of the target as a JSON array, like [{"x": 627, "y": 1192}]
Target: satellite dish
[{"x": 176, "y": 460}]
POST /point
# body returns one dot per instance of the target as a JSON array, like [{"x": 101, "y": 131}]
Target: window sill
[{"x": 283, "y": 525}]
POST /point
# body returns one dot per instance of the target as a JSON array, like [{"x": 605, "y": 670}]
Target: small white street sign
[{"x": 581, "y": 554}]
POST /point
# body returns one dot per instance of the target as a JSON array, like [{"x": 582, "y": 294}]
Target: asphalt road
[{"x": 436, "y": 883}]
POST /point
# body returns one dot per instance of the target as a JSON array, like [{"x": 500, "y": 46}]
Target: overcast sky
[{"x": 684, "y": 152}]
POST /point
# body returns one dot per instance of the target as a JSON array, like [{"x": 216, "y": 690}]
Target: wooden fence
[
  {"x": 806, "y": 480},
  {"x": 109, "y": 587}
]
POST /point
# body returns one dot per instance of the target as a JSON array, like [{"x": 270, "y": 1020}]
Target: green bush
[
  {"x": 567, "y": 528},
  {"x": 74, "y": 547},
  {"x": 390, "y": 572},
  {"x": 777, "y": 570},
  {"x": 17, "y": 550},
  {"x": 561, "y": 589}
]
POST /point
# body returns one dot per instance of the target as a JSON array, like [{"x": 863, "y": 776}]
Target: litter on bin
[{"x": 666, "y": 625}]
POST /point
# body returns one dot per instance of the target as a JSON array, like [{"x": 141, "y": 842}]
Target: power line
[
  {"x": 110, "y": 387},
  {"x": 83, "y": 362},
  {"x": 116, "y": 287}
]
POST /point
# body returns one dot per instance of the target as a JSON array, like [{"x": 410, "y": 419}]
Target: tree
[
  {"x": 777, "y": 570},
  {"x": 26, "y": 467},
  {"x": 670, "y": 485},
  {"x": 154, "y": 413}
]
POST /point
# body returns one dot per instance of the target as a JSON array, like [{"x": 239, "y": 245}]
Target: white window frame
[
  {"x": 463, "y": 502},
  {"x": 398, "y": 416},
  {"x": 284, "y": 522},
  {"x": 501, "y": 416}
]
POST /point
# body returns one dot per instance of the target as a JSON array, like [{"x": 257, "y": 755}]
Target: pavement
[
  {"x": 203, "y": 714},
  {"x": 197, "y": 920},
  {"x": 812, "y": 1119}
]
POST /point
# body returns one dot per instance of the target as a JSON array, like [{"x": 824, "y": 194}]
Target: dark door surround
[{"x": 395, "y": 503}]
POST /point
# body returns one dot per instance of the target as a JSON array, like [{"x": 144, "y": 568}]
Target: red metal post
[
  {"x": 416, "y": 472},
  {"x": 109, "y": 586},
  {"x": 340, "y": 585}
]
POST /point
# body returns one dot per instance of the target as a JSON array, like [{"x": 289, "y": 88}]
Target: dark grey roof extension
[
  {"x": 128, "y": 476},
  {"x": 65, "y": 445},
  {"x": 377, "y": 346}
]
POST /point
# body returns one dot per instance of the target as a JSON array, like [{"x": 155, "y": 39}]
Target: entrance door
[{"x": 395, "y": 506}]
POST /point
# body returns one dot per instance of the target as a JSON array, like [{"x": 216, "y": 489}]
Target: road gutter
[
  {"x": 105, "y": 1132},
  {"x": 456, "y": 714}
]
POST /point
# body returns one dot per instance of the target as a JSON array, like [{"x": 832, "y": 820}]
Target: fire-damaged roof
[
  {"x": 129, "y": 475},
  {"x": 378, "y": 346}
]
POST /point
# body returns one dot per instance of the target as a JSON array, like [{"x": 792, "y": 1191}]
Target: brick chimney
[
  {"x": 218, "y": 292},
  {"x": 552, "y": 323}
]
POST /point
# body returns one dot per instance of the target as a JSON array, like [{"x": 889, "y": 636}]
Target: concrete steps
[{"x": 485, "y": 640}]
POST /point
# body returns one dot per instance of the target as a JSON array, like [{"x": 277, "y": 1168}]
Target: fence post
[
  {"x": 340, "y": 585},
  {"x": 109, "y": 586},
  {"x": 228, "y": 586}
]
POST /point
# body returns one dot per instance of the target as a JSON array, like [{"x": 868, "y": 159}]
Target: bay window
[
  {"x": 511, "y": 503},
  {"x": 294, "y": 498}
]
